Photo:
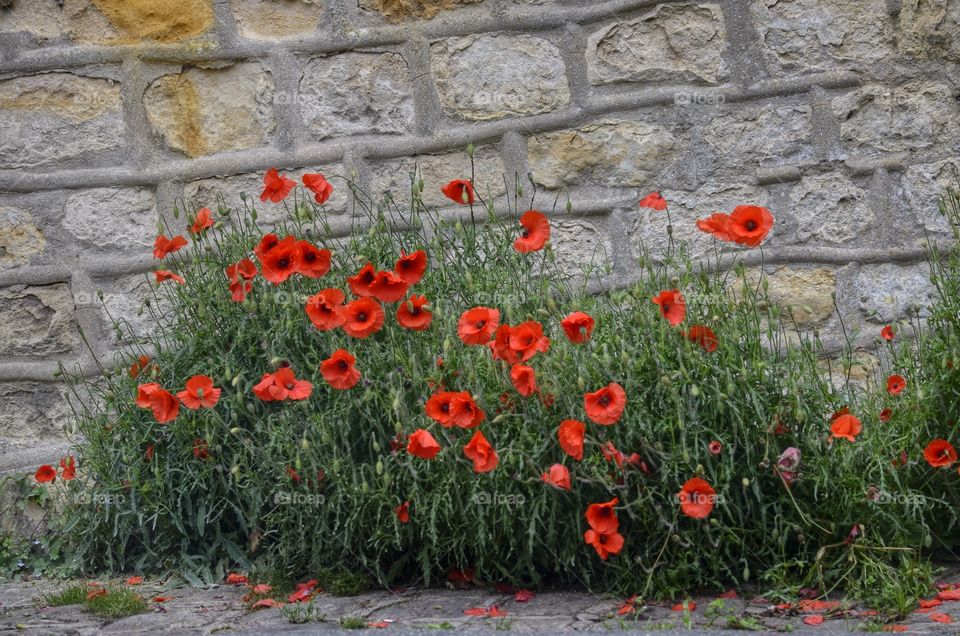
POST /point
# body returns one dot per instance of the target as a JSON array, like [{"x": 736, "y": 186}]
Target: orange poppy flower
[
  {"x": 896, "y": 384},
  {"x": 361, "y": 281},
  {"x": 479, "y": 450},
  {"x": 45, "y": 474},
  {"x": 557, "y": 476},
  {"x": 411, "y": 267},
  {"x": 388, "y": 287},
  {"x": 164, "y": 246},
  {"x": 362, "y": 317},
  {"x": 654, "y": 201},
  {"x": 338, "y": 370},
  {"x": 310, "y": 260},
  {"x": 604, "y": 544},
  {"x": 520, "y": 343},
  {"x": 163, "y": 275},
  {"x": 199, "y": 392},
  {"x": 164, "y": 405},
  {"x": 605, "y": 406},
  {"x": 324, "y": 309},
  {"x": 749, "y": 224},
  {"x": 536, "y": 232},
  {"x": 452, "y": 408},
  {"x": 845, "y": 426},
  {"x": 524, "y": 379},
  {"x": 602, "y": 517},
  {"x": 571, "y": 434},
  {"x": 240, "y": 274},
  {"x": 940, "y": 453},
  {"x": 144, "y": 391},
  {"x": 201, "y": 222},
  {"x": 276, "y": 187},
  {"x": 578, "y": 326},
  {"x": 236, "y": 579},
  {"x": 673, "y": 306},
  {"x": 885, "y": 415},
  {"x": 403, "y": 512},
  {"x": 703, "y": 336},
  {"x": 139, "y": 366},
  {"x": 887, "y": 333},
  {"x": 68, "y": 468},
  {"x": 319, "y": 185},
  {"x": 716, "y": 224},
  {"x": 280, "y": 262},
  {"x": 476, "y": 326},
  {"x": 459, "y": 191},
  {"x": 422, "y": 444},
  {"x": 280, "y": 385},
  {"x": 696, "y": 498},
  {"x": 413, "y": 315}
]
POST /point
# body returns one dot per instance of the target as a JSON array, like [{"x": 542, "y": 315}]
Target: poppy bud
[
  {"x": 745, "y": 482},
  {"x": 446, "y": 346},
  {"x": 275, "y": 361},
  {"x": 386, "y": 479},
  {"x": 235, "y": 381},
  {"x": 746, "y": 573},
  {"x": 569, "y": 206},
  {"x": 927, "y": 541},
  {"x": 519, "y": 190},
  {"x": 470, "y": 150},
  {"x": 298, "y": 464},
  {"x": 699, "y": 468},
  {"x": 304, "y": 444},
  {"x": 469, "y": 278},
  {"x": 396, "y": 404},
  {"x": 420, "y": 185},
  {"x": 234, "y": 470},
  {"x": 669, "y": 230},
  {"x": 253, "y": 214},
  {"x": 665, "y": 380},
  {"x": 624, "y": 358},
  {"x": 686, "y": 456},
  {"x": 721, "y": 397},
  {"x": 140, "y": 310},
  {"x": 458, "y": 227},
  {"x": 581, "y": 383},
  {"x": 364, "y": 487},
  {"x": 694, "y": 390},
  {"x": 714, "y": 522},
  {"x": 235, "y": 430},
  {"x": 397, "y": 426},
  {"x": 379, "y": 467}
]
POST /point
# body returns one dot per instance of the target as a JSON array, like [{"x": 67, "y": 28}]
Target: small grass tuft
[
  {"x": 72, "y": 595},
  {"x": 353, "y": 622},
  {"x": 118, "y": 602},
  {"x": 342, "y": 582}
]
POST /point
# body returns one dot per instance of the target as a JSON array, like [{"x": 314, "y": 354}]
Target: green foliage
[
  {"x": 118, "y": 602},
  {"x": 71, "y": 595}
]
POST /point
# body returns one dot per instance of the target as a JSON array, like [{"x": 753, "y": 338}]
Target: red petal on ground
[
  {"x": 267, "y": 602},
  {"x": 378, "y": 624},
  {"x": 817, "y": 605},
  {"x": 692, "y": 605},
  {"x": 524, "y": 596},
  {"x": 729, "y": 594},
  {"x": 894, "y": 628},
  {"x": 162, "y": 599},
  {"x": 475, "y": 611},
  {"x": 949, "y": 595},
  {"x": 941, "y": 618},
  {"x": 814, "y": 619}
]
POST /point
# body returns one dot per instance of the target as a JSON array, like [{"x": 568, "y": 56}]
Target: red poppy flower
[
  {"x": 362, "y": 317},
  {"x": 319, "y": 185},
  {"x": 605, "y": 406},
  {"x": 940, "y": 453},
  {"x": 749, "y": 224},
  {"x": 163, "y": 275},
  {"x": 886, "y": 414},
  {"x": 164, "y": 405},
  {"x": 896, "y": 384},
  {"x": 282, "y": 384},
  {"x": 479, "y": 450},
  {"x": 267, "y": 243},
  {"x": 476, "y": 326},
  {"x": 388, "y": 287},
  {"x": 520, "y": 343},
  {"x": 68, "y": 468},
  {"x": 411, "y": 267},
  {"x": 310, "y": 260},
  {"x": 696, "y": 498},
  {"x": 139, "y": 366},
  {"x": 164, "y": 246},
  {"x": 557, "y": 476},
  {"x": 143, "y": 394},
  {"x": 673, "y": 306},
  {"x": 845, "y": 426},
  {"x": 716, "y": 224},
  {"x": 148, "y": 453},
  {"x": 199, "y": 392},
  {"x": 452, "y": 408},
  {"x": 602, "y": 517},
  {"x": 715, "y": 447},
  {"x": 413, "y": 315},
  {"x": 611, "y": 453},
  {"x": 240, "y": 274},
  {"x": 324, "y": 309},
  {"x": 536, "y": 232},
  {"x": 571, "y": 434},
  {"x": 578, "y": 326},
  {"x": 524, "y": 379},
  {"x": 280, "y": 262},
  {"x": 887, "y": 333},
  {"x": 45, "y": 474},
  {"x": 422, "y": 444},
  {"x": 338, "y": 370},
  {"x": 135, "y": 580},
  {"x": 403, "y": 512},
  {"x": 459, "y": 191},
  {"x": 276, "y": 187},
  {"x": 200, "y": 449},
  {"x": 201, "y": 222},
  {"x": 703, "y": 336},
  {"x": 654, "y": 201},
  {"x": 361, "y": 281},
  {"x": 236, "y": 579},
  {"x": 604, "y": 544}
]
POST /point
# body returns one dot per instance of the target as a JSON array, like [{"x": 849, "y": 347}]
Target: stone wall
[{"x": 841, "y": 116}]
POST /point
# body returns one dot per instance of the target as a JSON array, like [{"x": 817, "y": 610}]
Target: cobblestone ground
[{"x": 222, "y": 609}]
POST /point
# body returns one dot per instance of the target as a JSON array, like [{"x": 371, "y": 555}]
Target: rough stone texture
[
  {"x": 922, "y": 187},
  {"x": 31, "y": 412},
  {"x": 765, "y": 134},
  {"x": 20, "y": 238},
  {"x": 488, "y": 77},
  {"x": 581, "y": 249},
  {"x": 400, "y": 10},
  {"x": 356, "y": 93},
  {"x": 58, "y": 116},
  {"x": 37, "y": 321},
  {"x": 829, "y": 209},
  {"x": 930, "y": 29},
  {"x": 888, "y": 292},
  {"x": 123, "y": 302},
  {"x": 436, "y": 171},
  {"x": 682, "y": 42},
  {"x": 160, "y": 20},
  {"x": 112, "y": 218},
  {"x": 803, "y": 293},
  {"x": 610, "y": 153},
  {"x": 276, "y": 19},
  {"x": 205, "y": 111}
]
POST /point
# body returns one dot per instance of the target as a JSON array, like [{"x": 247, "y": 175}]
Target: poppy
[
  {"x": 320, "y": 187},
  {"x": 571, "y": 434},
  {"x": 163, "y": 275},
  {"x": 887, "y": 333},
  {"x": 557, "y": 476},
  {"x": 749, "y": 224},
  {"x": 716, "y": 224},
  {"x": 696, "y": 498},
  {"x": 459, "y": 191},
  {"x": 200, "y": 449},
  {"x": 45, "y": 474},
  {"x": 403, "y": 512},
  {"x": 324, "y": 309},
  {"x": 611, "y": 453},
  {"x": 267, "y": 243},
  {"x": 164, "y": 405},
  {"x": 422, "y": 444},
  {"x": 411, "y": 267},
  {"x": 361, "y": 281},
  {"x": 578, "y": 326},
  {"x": 476, "y": 326},
  {"x": 715, "y": 447},
  {"x": 280, "y": 262},
  {"x": 362, "y": 317},
  {"x": 481, "y": 452},
  {"x": 602, "y": 517},
  {"x": 276, "y": 187},
  {"x": 199, "y": 392},
  {"x": 886, "y": 414},
  {"x": 388, "y": 287},
  {"x": 605, "y": 406},
  {"x": 412, "y": 314},
  {"x": 535, "y": 234},
  {"x": 148, "y": 453},
  {"x": 524, "y": 379},
  {"x": 703, "y": 336},
  {"x": 940, "y": 453},
  {"x": 520, "y": 343},
  {"x": 135, "y": 580},
  {"x": 673, "y": 306},
  {"x": 139, "y": 366},
  {"x": 201, "y": 222},
  {"x": 654, "y": 201},
  {"x": 310, "y": 260},
  {"x": 282, "y": 384},
  {"x": 604, "y": 544},
  {"x": 143, "y": 394},
  {"x": 236, "y": 579},
  {"x": 68, "y": 468},
  {"x": 164, "y": 246},
  {"x": 685, "y": 606},
  {"x": 896, "y": 384},
  {"x": 240, "y": 274},
  {"x": 845, "y": 426},
  {"x": 450, "y": 408},
  {"x": 338, "y": 370}
]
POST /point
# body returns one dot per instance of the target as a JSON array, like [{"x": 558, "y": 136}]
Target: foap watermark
[
  {"x": 699, "y": 499},
  {"x": 100, "y": 499},
  {"x": 697, "y": 98},
  {"x": 882, "y": 497},
  {"x": 510, "y": 500},
  {"x": 286, "y": 498}
]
